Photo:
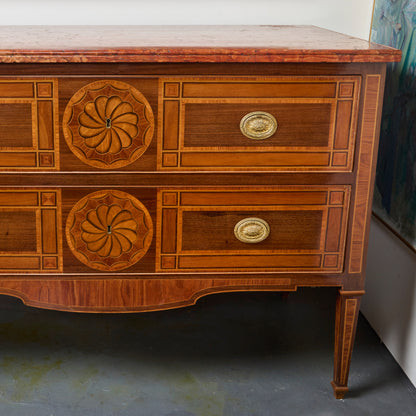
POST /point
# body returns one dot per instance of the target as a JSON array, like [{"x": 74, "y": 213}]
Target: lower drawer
[
  {"x": 296, "y": 229},
  {"x": 149, "y": 230}
]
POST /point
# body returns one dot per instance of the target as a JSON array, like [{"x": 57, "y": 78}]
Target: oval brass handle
[
  {"x": 258, "y": 125},
  {"x": 252, "y": 230}
]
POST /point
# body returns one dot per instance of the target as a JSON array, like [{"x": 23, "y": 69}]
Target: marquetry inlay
[
  {"x": 270, "y": 123},
  {"x": 30, "y": 231},
  {"x": 294, "y": 228},
  {"x": 108, "y": 124},
  {"x": 29, "y": 138},
  {"x": 109, "y": 230}
]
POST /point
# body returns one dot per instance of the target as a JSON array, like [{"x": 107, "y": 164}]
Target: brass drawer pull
[
  {"x": 252, "y": 230},
  {"x": 258, "y": 125}
]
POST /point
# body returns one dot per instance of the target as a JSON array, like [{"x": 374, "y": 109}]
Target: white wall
[
  {"x": 348, "y": 16},
  {"x": 390, "y": 302}
]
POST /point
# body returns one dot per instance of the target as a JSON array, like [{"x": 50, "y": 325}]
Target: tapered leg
[{"x": 347, "y": 308}]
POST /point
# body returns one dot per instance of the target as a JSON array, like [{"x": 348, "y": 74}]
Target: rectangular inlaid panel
[
  {"x": 16, "y": 125},
  {"x": 362, "y": 202},
  {"x": 263, "y": 197},
  {"x": 269, "y": 123},
  {"x": 18, "y": 231},
  {"x": 16, "y": 89},
  {"x": 217, "y": 228},
  {"x": 260, "y": 89},
  {"x": 29, "y": 137},
  {"x": 30, "y": 231},
  {"x": 307, "y": 229},
  {"x": 208, "y": 125}
]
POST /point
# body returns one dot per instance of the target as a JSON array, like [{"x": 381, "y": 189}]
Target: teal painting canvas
[{"x": 394, "y": 24}]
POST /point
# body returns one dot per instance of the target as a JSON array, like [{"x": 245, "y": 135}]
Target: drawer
[
  {"x": 29, "y": 125},
  {"x": 203, "y": 124},
  {"x": 82, "y": 230},
  {"x": 280, "y": 124},
  {"x": 286, "y": 229}
]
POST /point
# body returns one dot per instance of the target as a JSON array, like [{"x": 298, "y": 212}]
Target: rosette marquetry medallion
[
  {"x": 109, "y": 230},
  {"x": 108, "y": 124}
]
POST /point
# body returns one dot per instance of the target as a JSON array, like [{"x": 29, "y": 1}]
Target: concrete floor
[{"x": 232, "y": 354}]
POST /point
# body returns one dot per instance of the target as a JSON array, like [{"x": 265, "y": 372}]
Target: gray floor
[{"x": 232, "y": 354}]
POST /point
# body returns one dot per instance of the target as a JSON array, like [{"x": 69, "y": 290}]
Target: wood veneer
[{"x": 145, "y": 220}]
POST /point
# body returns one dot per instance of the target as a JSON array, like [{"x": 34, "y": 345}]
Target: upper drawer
[{"x": 279, "y": 123}]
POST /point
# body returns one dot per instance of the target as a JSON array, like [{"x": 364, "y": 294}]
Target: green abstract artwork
[{"x": 394, "y": 24}]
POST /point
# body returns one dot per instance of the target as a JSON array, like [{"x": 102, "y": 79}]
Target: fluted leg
[{"x": 347, "y": 308}]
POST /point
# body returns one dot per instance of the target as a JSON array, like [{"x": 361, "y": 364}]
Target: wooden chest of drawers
[{"x": 143, "y": 168}]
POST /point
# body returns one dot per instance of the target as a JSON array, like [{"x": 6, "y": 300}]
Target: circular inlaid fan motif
[
  {"x": 109, "y": 230},
  {"x": 108, "y": 124}
]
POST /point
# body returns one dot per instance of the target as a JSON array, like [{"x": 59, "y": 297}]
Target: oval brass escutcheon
[
  {"x": 258, "y": 125},
  {"x": 252, "y": 230}
]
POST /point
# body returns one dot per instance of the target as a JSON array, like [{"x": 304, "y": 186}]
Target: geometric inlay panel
[
  {"x": 108, "y": 124},
  {"x": 30, "y": 231},
  {"x": 109, "y": 230},
  {"x": 29, "y": 137}
]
